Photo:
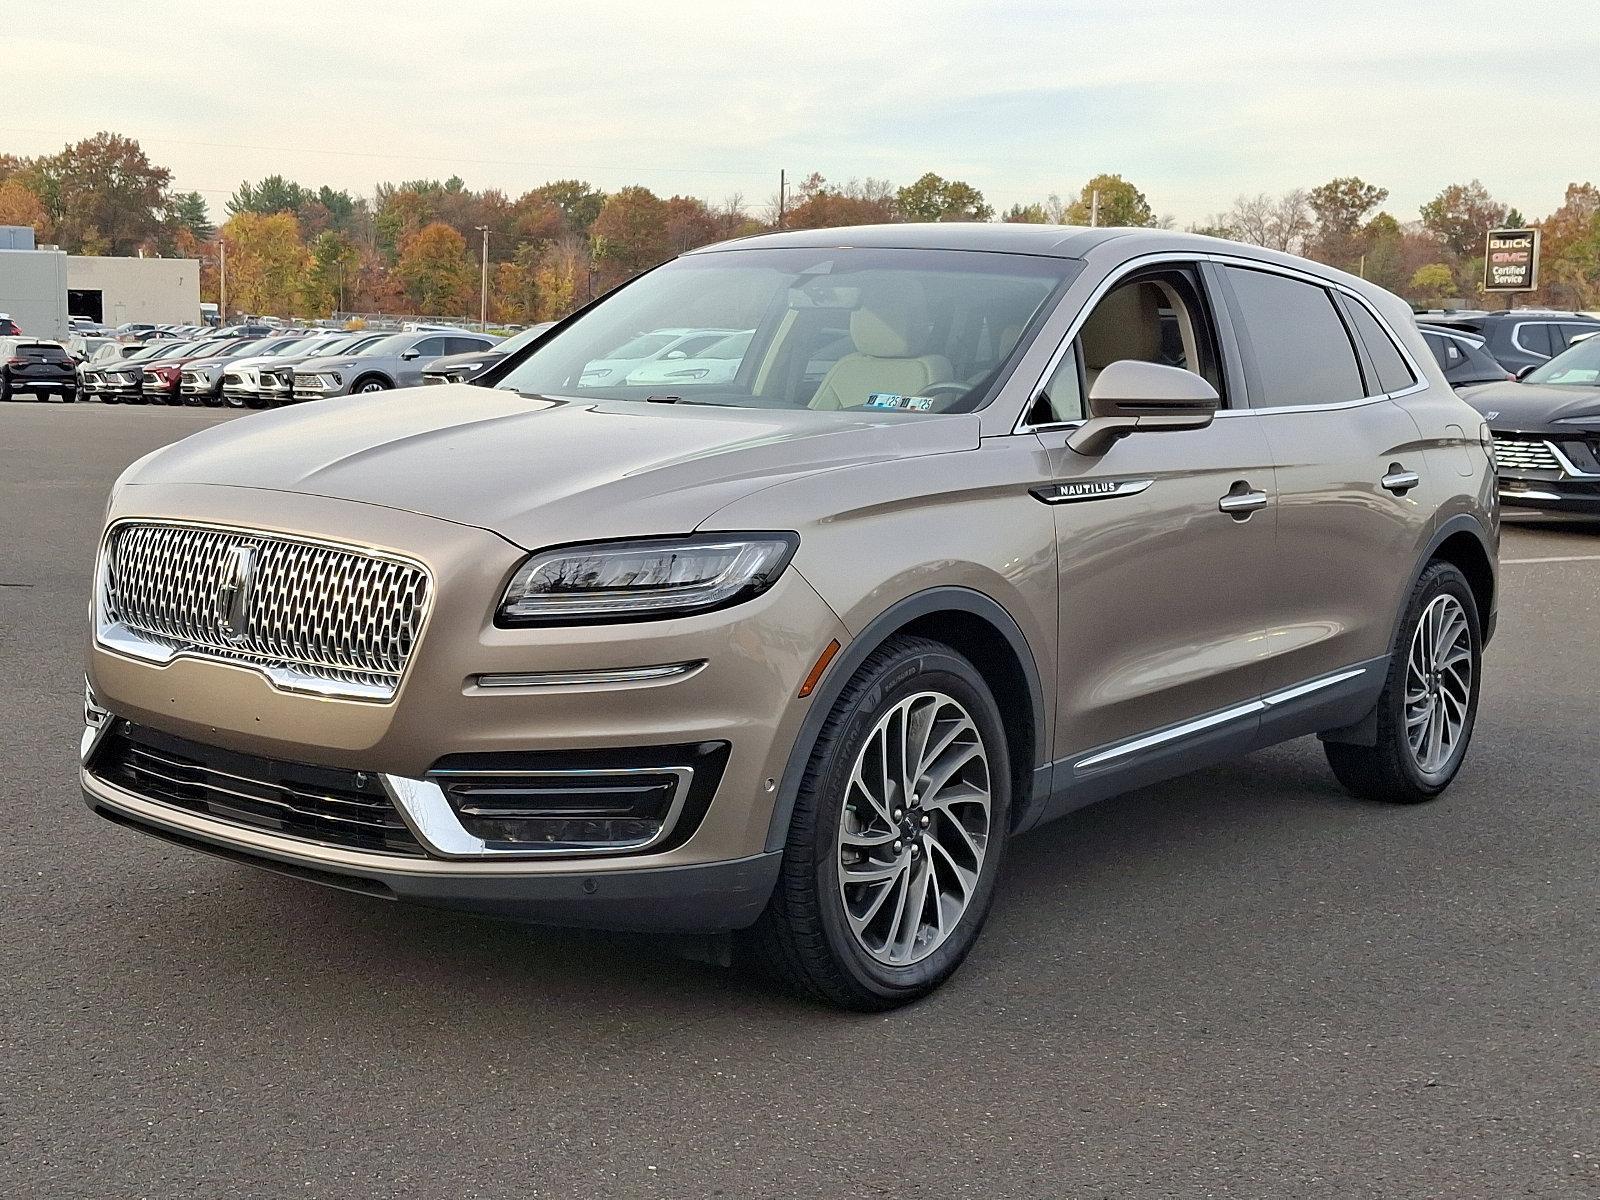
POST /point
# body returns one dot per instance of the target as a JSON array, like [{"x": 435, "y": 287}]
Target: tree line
[{"x": 414, "y": 246}]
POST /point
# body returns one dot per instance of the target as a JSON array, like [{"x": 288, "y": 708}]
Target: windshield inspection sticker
[{"x": 896, "y": 400}]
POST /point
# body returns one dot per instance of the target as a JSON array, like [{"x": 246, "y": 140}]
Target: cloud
[{"x": 1196, "y": 103}]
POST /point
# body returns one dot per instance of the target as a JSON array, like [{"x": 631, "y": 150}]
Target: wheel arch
[
  {"x": 981, "y": 630},
  {"x": 367, "y": 376}
]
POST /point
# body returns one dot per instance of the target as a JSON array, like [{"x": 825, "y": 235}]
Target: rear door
[{"x": 1350, "y": 471}]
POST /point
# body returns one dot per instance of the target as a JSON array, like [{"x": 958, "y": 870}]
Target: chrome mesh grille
[
  {"x": 1525, "y": 454},
  {"x": 321, "y": 612}
]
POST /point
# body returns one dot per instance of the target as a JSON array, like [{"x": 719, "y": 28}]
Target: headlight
[{"x": 634, "y": 581}]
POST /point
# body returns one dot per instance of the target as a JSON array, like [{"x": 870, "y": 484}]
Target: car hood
[
  {"x": 1531, "y": 406},
  {"x": 541, "y": 471},
  {"x": 329, "y": 362}
]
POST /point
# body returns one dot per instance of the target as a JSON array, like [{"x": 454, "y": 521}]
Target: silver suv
[
  {"x": 392, "y": 362},
  {"x": 795, "y": 650}
]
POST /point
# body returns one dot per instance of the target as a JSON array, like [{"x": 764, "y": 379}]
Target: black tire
[
  {"x": 1388, "y": 770},
  {"x": 70, "y": 396},
  {"x": 109, "y": 398},
  {"x": 5, "y": 389},
  {"x": 370, "y": 383},
  {"x": 803, "y": 939},
  {"x": 233, "y": 401}
]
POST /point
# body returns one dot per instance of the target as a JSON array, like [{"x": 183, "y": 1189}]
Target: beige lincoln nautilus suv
[{"x": 958, "y": 528}]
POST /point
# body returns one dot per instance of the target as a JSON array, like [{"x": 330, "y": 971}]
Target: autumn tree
[
  {"x": 267, "y": 263},
  {"x": 578, "y": 202},
  {"x": 1120, "y": 203},
  {"x": 20, "y": 205},
  {"x": 1282, "y": 223},
  {"x": 103, "y": 194},
  {"x": 274, "y": 194},
  {"x": 630, "y": 234},
  {"x": 690, "y": 223},
  {"x": 933, "y": 198},
  {"x": 1570, "y": 249},
  {"x": 435, "y": 271},
  {"x": 817, "y": 205},
  {"x": 329, "y": 273},
  {"x": 1339, "y": 208},
  {"x": 1433, "y": 283},
  {"x": 1461, "y": 215},
  {"x": 1051, "y": 211}
]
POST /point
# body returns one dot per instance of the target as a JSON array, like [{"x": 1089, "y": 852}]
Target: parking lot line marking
[{"x": 1559, "y": 558}]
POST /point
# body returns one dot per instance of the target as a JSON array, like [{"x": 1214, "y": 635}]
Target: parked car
[
  {"x": 1546, "y": 430},
  {"x": 717, "y": 363},
  {"x": 798, "y": 659},
  {"x": 83, "y": 346},
  {"x": 205, "y": 379},
  {"x": 396, "y": 361},
  {"x": 91, "y": 370},
  {"x": 8, "y": 327},
  {"x": 123, "y": 383},
  {"x": 35, "y": 369},
  {"x": 1462, "y": 357},
  {"x": 276, "y": 380},
  {"x": 463, "y": 368},
  {"x": 160, "y": 379},
  {"x": 638, "y": 349},
  {"x": 1522, "y": 338},
  {"x": 241, "y": 378}
]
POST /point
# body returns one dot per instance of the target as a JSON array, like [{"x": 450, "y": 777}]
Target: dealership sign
[{"x": 1511, "y": 261}]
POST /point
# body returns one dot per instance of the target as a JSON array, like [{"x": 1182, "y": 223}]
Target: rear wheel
[
  {"x": 5, "y": 389},
  {"x": 897, "y": 835},
  {"x": 1429, "y": 704},
  {"x": 69, "y": 396}
]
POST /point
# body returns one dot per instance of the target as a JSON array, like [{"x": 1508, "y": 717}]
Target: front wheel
[
  {"x": 897, "y": 834},
  {"x": 1429, "y": 703},
  {"x": 370, "y": 385}
]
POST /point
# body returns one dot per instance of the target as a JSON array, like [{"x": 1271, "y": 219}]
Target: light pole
[
  {"x": 483, "y": 295},
  {"x": 222, "y": 282}
]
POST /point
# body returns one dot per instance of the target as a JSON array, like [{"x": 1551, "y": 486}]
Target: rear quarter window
[{"x": 1388, "y": 364}]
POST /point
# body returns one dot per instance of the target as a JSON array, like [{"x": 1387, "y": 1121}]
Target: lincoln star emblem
[{"x": 233, "y": 593}]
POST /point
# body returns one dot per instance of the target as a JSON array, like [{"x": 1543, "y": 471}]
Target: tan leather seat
[
  {"x": 889, "y": 331},
  {"x": 1125, "y": 324}
]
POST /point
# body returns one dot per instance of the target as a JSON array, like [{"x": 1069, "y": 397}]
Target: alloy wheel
[
  {"x": 1438, "y": 693},
  {"x": 914, "y": 829}
]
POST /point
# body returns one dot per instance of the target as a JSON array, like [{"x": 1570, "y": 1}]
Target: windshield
[
  {"x": 518, "y": 340},
  {"x": 1578, "y": 366},
  {"x": 827, "y": 328}
]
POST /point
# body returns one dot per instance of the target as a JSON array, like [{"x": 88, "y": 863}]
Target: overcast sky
[{"x": 1195, "y": 101}]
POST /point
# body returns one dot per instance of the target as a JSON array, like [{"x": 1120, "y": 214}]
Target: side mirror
[
  {"x": 1131, "y": 396},
  {"x": 1527, "y": 370},
  {"x": 675, "y": 354},
  {"x": 410, "y": 354}
]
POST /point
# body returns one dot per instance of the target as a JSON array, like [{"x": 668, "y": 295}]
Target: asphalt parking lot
[{"x": 1241, "y": 984}]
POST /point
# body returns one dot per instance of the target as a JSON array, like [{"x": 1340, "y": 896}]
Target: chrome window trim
[
  {"x": 116, "y": 638},
  {"x": 1227, "y": 260},
  {"x": 424, "y": 807},
  {"x": 1516, "y": 338}
]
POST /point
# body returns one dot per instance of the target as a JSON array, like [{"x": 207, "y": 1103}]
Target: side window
[
  {"x": 1062, "y": 397},
  {"x": 1387, "y": 362},
  {"x": 1157, "y": 317},
  {"x": 1534, "y": 337},
  {"x": 466, "y": 345},
  {"x": 1303, "y": 354},
  {"x": 1570, "y": 332},
  {"x": 432, "y": 347}
]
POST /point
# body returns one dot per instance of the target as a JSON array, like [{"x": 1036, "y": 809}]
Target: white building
[
  {"x": 160, "y": 291},
  {"x": 33, "y": 291}
]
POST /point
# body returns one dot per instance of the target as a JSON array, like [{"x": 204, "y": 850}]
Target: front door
[{"x": 1166, "y": 544}]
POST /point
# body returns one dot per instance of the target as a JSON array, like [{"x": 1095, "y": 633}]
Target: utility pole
[
  {"x": 782, "y": 186},
  {"x": 1094, "y": 209},
  {"x": 483, "y": 294},
  {"x": 222, "y": 282}
]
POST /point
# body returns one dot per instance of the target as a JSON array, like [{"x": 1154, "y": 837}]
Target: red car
[{"x": 159, "y": 382}]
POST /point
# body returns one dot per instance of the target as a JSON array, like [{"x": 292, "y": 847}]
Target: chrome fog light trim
[
  {"x": 664, "y": 673},
  {"x": 423, "y": 806}
]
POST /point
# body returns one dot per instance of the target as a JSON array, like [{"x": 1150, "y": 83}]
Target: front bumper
[
  {"x": 696, "y": 896},
  {"x": 1548, "y": 473},
  {"x": 717, "y": 875}
]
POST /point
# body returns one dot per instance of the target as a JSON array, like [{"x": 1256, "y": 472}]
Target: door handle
[
  {"x": 1399, "y": 480},
  {"x": 1241, "y": 501}
]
